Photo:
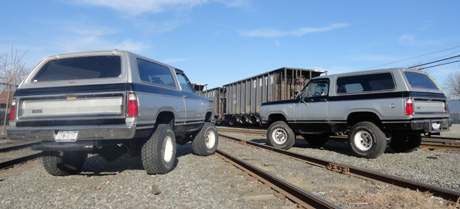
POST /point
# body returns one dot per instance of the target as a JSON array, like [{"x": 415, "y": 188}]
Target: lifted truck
[
  {"x": 110, "y": 103},
  {"x": 374, "y": 108}
]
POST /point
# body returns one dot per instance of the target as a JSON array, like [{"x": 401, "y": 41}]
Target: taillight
[
  {"x": 13, "y": 110},
  {"x": 133, "y": 105},
  {"x": 409, "y": 106}
]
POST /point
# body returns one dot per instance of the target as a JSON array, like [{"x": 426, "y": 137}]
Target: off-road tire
[
  {"x": 63, "y": 163},
  {"x": 206, "y": 141},
  {"x": 405, "y": 143},
  {"x": 316, "y": 140},
  {"x": 367, "y": 140},
  {"x": 158, "y": 154},
  {"x": 280, "y": 135}
]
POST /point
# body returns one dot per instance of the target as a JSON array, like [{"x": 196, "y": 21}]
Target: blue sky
[{"x": 220, "y": 41}]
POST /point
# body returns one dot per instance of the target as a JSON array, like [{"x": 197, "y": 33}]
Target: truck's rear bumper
[
  {"x": 84, "y": 132},
  {"x": 433, "y": 125}
]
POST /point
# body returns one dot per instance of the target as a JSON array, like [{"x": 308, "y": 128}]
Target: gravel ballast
[
  {"x": 196, "y": 182},
  {"x": 209, "y": 182}
]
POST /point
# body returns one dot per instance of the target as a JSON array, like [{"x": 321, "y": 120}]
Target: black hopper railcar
[{"x": 238, "y": 103}]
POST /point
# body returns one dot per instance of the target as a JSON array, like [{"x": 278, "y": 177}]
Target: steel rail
[
  {"x": 13, "y": 162},
  {"x": 359, "y": 172},
  {"x": 18, "y": 146},
  {"x": 290, "y": 191},
  {"x": 428, "y": 143}
]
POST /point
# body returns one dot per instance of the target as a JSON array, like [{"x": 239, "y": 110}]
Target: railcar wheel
[
  {"x": 159, "y": 152},
  {"x": 63, "y": 163},
  {"x": 206, "y": 141},
  {"x": 405, "y": 143},
  {"x": 280, "y": 135},
  {"x": 367, "y": 140},
  {"x": 316, "y": 140}
]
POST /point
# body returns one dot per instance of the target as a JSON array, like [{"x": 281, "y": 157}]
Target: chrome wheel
[{"x": 363, "y": 140}]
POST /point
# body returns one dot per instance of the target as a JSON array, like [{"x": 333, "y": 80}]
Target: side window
[
  {"x": 184, "y": 83},
  {"x": 316, "y": 89},
  {"x": 155, "y": 73},
  {"x": 362, "y": 83}
]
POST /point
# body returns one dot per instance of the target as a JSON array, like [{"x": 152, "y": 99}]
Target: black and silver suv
[{"x": 374, "y": 108}]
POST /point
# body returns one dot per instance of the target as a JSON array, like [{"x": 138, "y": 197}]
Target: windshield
[
  {"x": 80, "y": 68},
  {"x": 418, "y": 80}
]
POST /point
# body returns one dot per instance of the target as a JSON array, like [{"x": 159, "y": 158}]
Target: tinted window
[
  {"x": 362, "y": 83},
  {"x": 155, "y": 73},
  {"x": 419, "y": 80},
  {"x": 184, "y": 83},
  {"x": 80, "y": 68}
]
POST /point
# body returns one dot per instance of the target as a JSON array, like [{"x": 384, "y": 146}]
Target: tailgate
[
  {"x": 426, "y": 106},
  {"x": 71, "y": 106}
]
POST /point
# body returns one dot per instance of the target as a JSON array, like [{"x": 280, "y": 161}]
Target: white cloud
[
  {"x": 272, "y": 33},
  {"x": 411, "y": 40},
  {"x": 136, "y": 7},
  {"x": 179, "y": 59}
]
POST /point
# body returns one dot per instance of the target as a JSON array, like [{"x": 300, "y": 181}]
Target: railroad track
[
  {"x": 447, "y": 194},
  {"x": 301, "y": 197},
  {"x": 7, "y": 161},
  {"x": 428, "y": 143}
]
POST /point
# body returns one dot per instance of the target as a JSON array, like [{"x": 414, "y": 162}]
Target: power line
[
  {"x": 453, "y": 57},
  {"x": 446, "y": 63},
  {"x": 413, "y": 57}
]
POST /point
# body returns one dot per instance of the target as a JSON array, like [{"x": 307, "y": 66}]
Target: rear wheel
[
  {"x": 63, "y": 163},
  {"x": 206, "y": 141},
  {"x": 405, "y": 143},
  {"x": 316, "y": 140},
  {"x": 159, "y": 152},
  {"x": 280, "y": 135},
  {"x": 367, "y": 140}
]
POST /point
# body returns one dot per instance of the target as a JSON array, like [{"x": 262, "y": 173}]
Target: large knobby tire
[
  {"x": 159, "y": 152},
  {"x": 280, "y": 135},
  {"x": 63, "y": 163},
  {"x": 405, "y": 143},
  {"x": 316, "y": 140},
  {"x": 367, "y": 140},
  {"x": 206, "y": 141}
]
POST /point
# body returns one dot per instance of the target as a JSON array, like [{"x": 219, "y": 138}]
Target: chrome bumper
[{"x": 84, "y": 132}]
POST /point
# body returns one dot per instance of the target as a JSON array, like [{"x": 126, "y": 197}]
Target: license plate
[{"x": 66, "y": 136}]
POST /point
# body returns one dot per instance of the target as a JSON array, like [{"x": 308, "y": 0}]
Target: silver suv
[
  {"x": 110, "y": 103},
  {"x": 374, "y": 108}
]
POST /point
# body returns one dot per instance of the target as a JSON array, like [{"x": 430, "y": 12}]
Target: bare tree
[
  {"x": 12, "y": 71},
  {"x": 12, "y": 68},
  {"x": 452, "y": 85}
]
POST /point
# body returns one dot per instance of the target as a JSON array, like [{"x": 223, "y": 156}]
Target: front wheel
[
  {"x": 206, "y": 141},
  {"x": 280, "y": 135},
  {"x": 159, "y": 152},
  {"x": 367, "y": 140},
  {"x": 63, "y": 163}
]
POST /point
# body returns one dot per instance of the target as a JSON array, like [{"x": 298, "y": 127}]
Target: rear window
[
  {"x": 80, "y": 68},
  {"x": 363, "y": 83},
  {"x": 418, "y": 80}
]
